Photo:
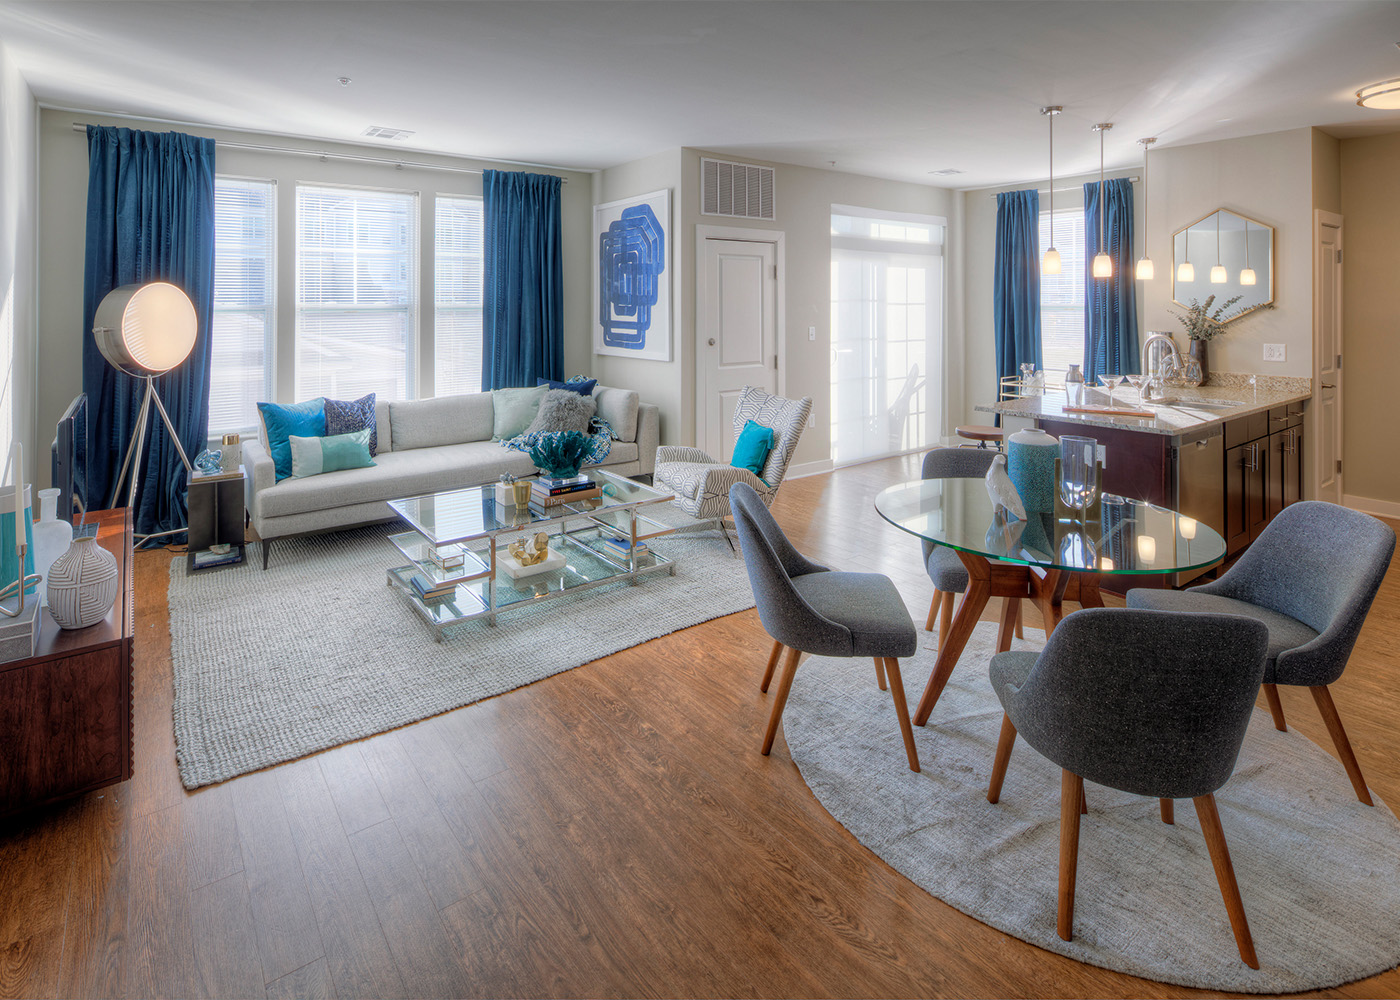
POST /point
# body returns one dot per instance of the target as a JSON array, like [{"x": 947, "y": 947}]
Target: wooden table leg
[
  {"x": 1047, "y": 592},
  {"x": 1010, "y": 615},
  {"x": 969, "y": 612}
]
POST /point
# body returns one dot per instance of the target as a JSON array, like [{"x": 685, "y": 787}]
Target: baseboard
[
  {"x": 1376, "y": 508},
  {"x": 809, "y": 469}
]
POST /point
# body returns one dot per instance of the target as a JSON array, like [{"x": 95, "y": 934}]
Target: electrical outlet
[
  {"x": 1274, "y": 352},
  {"x": 811, "y": 335}
]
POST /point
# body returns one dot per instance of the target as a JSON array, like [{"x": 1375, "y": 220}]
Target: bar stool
[{"x": 981, "y": 433}]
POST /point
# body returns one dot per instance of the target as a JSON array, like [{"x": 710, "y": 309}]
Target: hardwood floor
[{"x": 612, "y": 831}]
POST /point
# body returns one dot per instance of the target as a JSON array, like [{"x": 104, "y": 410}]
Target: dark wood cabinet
[
  {"x": 65, "y": 713},
  {"x": 1246, "y": 506},
  {"x": 1263, "y": 472}
]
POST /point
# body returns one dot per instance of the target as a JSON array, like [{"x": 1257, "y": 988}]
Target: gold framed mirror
[{"x": 1222, "y": 252}]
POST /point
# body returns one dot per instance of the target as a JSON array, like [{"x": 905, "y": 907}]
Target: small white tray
[{"x": 554, "y": 561}]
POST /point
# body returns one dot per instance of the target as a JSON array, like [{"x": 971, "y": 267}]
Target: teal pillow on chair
[
  {"x": 281, "y": 422},
  {"x": 312, "y": 456},
  {"x": 752, "y": 448}
]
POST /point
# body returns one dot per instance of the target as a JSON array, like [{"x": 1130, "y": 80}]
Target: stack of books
[
  {"x": 205, "y": 558},
  {"x": 622, "y": 547},
  {"x": 432, "y": 593},
  {"x": 547, "y": 491}
]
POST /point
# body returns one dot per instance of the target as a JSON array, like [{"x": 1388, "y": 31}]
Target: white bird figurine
[{"x": 1002, "y": 490}]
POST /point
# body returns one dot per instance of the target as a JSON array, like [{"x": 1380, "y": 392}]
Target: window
[
  {"x": 457, "y": 250},
  {"x": 357, "y": 293},
  {"x": 1062, "y": 295},
  {"x": 886, "y": 332},
  {"x": 240, "y": 373}
]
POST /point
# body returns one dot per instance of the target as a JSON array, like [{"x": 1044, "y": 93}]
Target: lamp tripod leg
[
  {"x": 132, "y": 450},
  {"x": 175, "y": 438}
]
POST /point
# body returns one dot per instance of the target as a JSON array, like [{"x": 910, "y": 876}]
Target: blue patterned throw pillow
[{"x": 347, "y": 416}]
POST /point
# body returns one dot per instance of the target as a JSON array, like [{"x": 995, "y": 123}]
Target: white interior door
[
  {"x": 736, "y": 340},
  {"x": 1327, "y": 359}
]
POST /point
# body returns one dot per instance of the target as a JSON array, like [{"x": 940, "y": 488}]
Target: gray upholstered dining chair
[
  {"x": 809, "y": 608},
  {"x": 942, "y": 564},
  {"x": 1310, "y": 577},
  {"x": 1147, "y": 702}
]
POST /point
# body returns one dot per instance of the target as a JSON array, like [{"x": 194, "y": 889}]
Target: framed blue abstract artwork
[{"x": 632, "y": 287}]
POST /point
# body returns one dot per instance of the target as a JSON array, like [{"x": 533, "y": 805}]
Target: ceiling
[{"x": 887, "y": 89}]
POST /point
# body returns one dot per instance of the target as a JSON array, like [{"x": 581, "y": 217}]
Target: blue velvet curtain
[
  {"x": 523, "y": 305},
  {"x": 1016, "y": 282},
  {"x": 150, "y": 217},
  {"x": 1110, "y": 306}
]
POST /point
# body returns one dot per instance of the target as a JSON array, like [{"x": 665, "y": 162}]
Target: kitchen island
[{"x": 1225, "y": 455}]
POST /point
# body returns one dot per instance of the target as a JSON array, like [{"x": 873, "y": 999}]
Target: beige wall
[
  {"x": 1326, "y": 172},
  {"x": 1370, "y": 203},
  {"x": 18, "y": 235},
  {"x": 63, "y": 199}
]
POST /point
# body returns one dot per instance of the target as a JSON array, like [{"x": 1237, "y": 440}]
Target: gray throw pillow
[{"x": 563, "y": 410}]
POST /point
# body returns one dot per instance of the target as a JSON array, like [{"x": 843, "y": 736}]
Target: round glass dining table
[{"x": 1045, "y": 559}]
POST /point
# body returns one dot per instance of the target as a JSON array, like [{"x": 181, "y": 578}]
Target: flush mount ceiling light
[
  {"x": 1383, "y": 96},
  {"x": 1050, "y": 264},
  {"x": 1103, "y": 263},
  {"x": 1218, "y": 274},
  {"x": 1144, "y": 264},
  {"x": 1247, "y": 276}
]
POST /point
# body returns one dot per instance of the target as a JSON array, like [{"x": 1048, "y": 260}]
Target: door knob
[
  {"x": 1327, "y": 385},
  {"x": 712, "y": 341}
]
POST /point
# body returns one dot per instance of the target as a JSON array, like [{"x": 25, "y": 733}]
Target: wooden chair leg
[
  {"x": 1323, "y": 697},
  {"x": 1168, "y": 812},
  {"x": 901, "y": 709},
  {"x": 772, "y": 665},
  {"x": 945, "y": 619},
  {"x": 1275, "y": 707},
  {"x": 1071, "y": 794},
  {"x": 784, "y": 686},
  {"x": 1020, "y": 614},
  {"x": 1083, "y": 800},
  {"x": 880, "y": 673},
  {"x": 933, "y": 610},
  {"x": 1005, "y": 742},
  {"x": 1225, "y": 875}
]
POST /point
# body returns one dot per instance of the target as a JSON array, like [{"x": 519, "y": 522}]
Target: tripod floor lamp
[{"x": 145, "y": 331}]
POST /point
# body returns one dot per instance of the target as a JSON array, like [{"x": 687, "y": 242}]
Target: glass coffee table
[{"x": 597, "y": 538}]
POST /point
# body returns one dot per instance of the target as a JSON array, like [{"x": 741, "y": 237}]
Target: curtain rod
[
  {"x": 993, "y": 194},
  {"x": 326, "y": 154}
]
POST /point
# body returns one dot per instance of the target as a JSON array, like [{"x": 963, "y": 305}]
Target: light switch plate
[
  {"x": 811, "y": 335},
  {"x": 1274, "y": 352}
]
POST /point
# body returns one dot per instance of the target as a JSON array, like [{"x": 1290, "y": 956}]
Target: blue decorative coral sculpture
[{"x": 560, "y": 453}]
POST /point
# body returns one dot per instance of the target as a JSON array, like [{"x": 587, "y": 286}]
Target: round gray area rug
[{"x": 1319, "y": 872}]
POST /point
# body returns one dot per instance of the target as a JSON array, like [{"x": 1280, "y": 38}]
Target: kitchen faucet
[{"x": 1153, "y": 387}]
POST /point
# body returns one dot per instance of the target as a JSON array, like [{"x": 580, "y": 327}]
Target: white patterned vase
[{"x": 82, "y": 584}]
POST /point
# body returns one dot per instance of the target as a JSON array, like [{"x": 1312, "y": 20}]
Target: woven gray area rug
[
  {"x": 318, "y": 650},
  {"x": 1319, "y": 872}
]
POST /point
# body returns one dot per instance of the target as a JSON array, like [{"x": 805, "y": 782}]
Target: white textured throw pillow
[{"x": 563, "y": 410}]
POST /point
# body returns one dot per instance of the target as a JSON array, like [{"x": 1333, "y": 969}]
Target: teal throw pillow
[
  {"x": 752, "y": 448},
  {"x": 280, "y": 422},
  {"x": 312, "y": 456},
  {"x": 514, "y": 410}
]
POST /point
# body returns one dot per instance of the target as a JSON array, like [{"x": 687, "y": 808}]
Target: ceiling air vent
[
  {"x": 945, "y": 172},
  {"x": 737, "y": 190},
  {"x": 380, "y": 132}
]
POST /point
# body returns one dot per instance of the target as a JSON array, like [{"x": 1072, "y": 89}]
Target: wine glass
[{"x": 1109, "y": 382}]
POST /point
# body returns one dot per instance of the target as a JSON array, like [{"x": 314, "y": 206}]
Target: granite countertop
[{"x": 1171, "y": 419}]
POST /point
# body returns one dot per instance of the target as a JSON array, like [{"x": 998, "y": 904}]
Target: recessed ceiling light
[
  {"x": 1383, "y": 96},
  {"x": 344, "y": 81},
  {"x": 380, "y": 132},
  {"x": 947, "y": 171}
]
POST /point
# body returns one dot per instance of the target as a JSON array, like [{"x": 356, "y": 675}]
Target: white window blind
[
  {"x": 1062, "y": 295},
  {"x": 357, "y": 292},
  {"x": 457, "y": 249},
  {"x": 240, "y": 372}
]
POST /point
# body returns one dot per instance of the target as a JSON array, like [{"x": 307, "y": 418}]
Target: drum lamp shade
[{"x": 145, "y": 329}]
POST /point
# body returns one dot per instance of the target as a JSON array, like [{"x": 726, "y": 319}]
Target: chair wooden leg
[
  {"x": 901, "y": 709},
  {"x": 1168, "y": 812},
  {"x": 1275, "y": 707},
  {"x": 1005, "y": 742},
  {"x": 1225, "y": 875},
  {"x": 1071, "y": 794},
  {"x": 1083, "y": 800},
  {"x": 1323, "y": 697},
  {"x": 784, "y": 686},
  {"x": 772, "y": 665},
  {"x": 933, "y": 610},
  {"x": 945, "y": 619},
  {"x": 880, "y": 673}
]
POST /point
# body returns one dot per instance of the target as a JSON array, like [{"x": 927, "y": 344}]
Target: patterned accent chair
[{"x": 701, "y": 483}]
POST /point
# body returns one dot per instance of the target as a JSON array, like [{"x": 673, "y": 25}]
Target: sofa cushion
[
  {"x": 384, "y": 438},
  {"x": 427, "y": 423},
  {"x": 279, "y": 422},
  {"x": 620, "y": 453},
  {"x": 313, "y": 456},
  {"x": 396, "y": 474},
  {"x": 619, "y": 408},
  {"x": 514, "y": 410},
  {"x": 346, "y": 415},
  {"x": 563, "y": 410}
]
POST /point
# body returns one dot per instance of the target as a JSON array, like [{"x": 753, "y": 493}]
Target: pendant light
[
  {"x": 1103, "y": 263},
  {"x": 1247, "y": 275},
  {"x": 1184, "y": 270},
  {"x": 1050, "y": 264},
  {"x": 1144, "y": 264},
  {"x": 1218, "y": 274}
]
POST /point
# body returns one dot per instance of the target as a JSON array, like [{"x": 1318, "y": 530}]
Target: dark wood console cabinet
[{"x": 65, "y": 713}]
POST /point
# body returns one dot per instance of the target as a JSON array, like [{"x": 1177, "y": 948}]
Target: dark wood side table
[
  {"x": 65, "y": 713},
  {"x": 216, "y": 516}
]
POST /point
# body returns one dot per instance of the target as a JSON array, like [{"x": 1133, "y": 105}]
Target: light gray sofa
[{"x": 425, "y": 446}]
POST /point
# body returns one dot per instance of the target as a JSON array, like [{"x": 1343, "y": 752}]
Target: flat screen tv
[{"x": 70, "y": 460}]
